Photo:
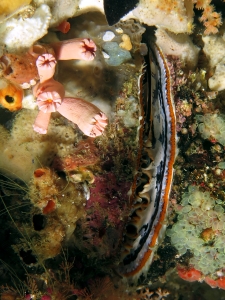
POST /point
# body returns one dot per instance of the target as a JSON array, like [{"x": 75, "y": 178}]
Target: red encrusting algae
[
  {"x": 211, "y": 282},
  {"x": 191, "y": 274}
]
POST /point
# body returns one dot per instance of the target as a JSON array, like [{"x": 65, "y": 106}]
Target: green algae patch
[{"x": 200, "y": 229}]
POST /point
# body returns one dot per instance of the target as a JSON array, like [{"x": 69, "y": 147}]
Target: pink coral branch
[
  {"x": 49, "y": 86},
  {"x": 49, "y": 92},
  {"x": 87, "y": 116},
  {"x": 41, "y": 123},
  {"x": 75, "y": 49}
]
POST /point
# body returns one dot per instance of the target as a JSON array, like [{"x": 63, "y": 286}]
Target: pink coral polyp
[{"x": 49, "y": 101}]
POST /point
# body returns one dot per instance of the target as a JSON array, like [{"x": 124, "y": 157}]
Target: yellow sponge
[{"x": 6, "y": 9}]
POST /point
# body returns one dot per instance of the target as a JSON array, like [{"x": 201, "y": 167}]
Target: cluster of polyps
[
  {"x": 39, "y": 64},
  {"x": 50, "y": 93}
]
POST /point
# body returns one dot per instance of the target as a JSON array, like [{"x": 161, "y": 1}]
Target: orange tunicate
[
  {"x": 39, "y": 172},
  {"x": 11, "y": 95},
  {"x": 64, "y": 27},
  {"x": 50, "y": 207}
]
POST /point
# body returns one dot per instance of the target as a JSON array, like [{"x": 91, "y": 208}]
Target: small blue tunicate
[{"x": 117, "y": 55}]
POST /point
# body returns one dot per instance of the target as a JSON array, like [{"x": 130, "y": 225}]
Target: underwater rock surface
[{"x": 66, "y": 199}]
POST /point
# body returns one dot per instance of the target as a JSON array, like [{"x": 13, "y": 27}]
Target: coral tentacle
[
  {"x": 87, "y": 116},
  {"x": 41, "y": 123},
  {"x": 75, "y": 49}
]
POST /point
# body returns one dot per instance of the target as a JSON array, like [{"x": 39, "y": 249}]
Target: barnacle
[{"x": 11, "y": 95}]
